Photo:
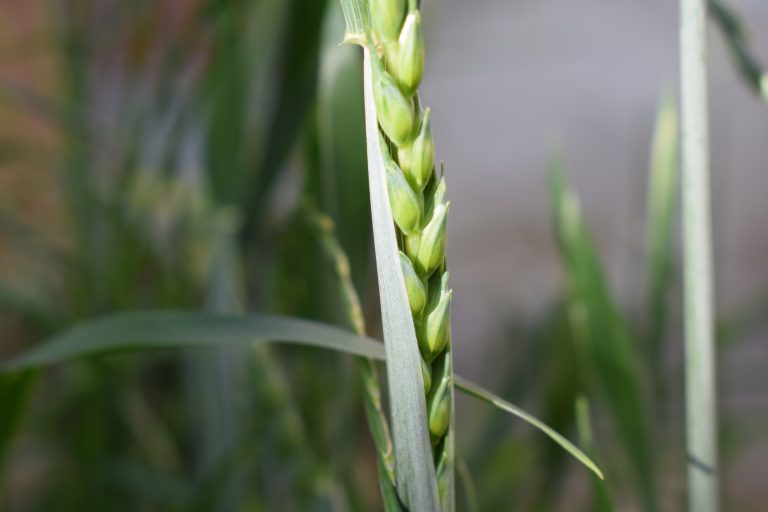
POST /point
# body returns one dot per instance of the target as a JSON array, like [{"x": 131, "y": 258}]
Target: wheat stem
[
  {"x": 377, "y": 420},
  {"x": 701, "y": 426}
]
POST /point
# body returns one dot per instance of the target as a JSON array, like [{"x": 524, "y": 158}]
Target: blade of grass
[
  {"x": 486, "y": 396},
  {"x": 701, "y": 411},
  {"x": 603, "y": 337},
  {"x": 213, "y": 379},
  {"x": 602, "y": 498},
  {"x": 663, "y": 188},
  {"x": 134, "y": 332},
  {"x": 736, "y": 40},
  {"x": 297, "y": 71},
  {"x": 338, "y": 146},
  {"x": 377, "y": 421},
  {"x": 167, "y": 330},
  {"x": 468, "y": 486}
]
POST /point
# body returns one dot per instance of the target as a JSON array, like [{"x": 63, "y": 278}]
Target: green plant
[
  {"x": 414, "y": 197},
  {"x": 736, "y": 39},
  {"x": 605, "y": 347},
  {"x": 236, "y": 421},
  {"x": 369, "y": 376}
]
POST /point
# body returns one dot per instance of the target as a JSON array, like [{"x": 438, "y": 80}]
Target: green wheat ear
[{"x": 420, "y": 210}]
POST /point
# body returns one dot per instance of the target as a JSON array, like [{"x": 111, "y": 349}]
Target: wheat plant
[
  {"x": 409, "y": 212},
  {"x": 401, "y": 143},
  {"x": 414, "y": 446},
  {"x": 419, "y": 208}
]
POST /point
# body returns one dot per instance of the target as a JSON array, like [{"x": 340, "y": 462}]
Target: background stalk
[
  {"x": 353, "y": 311},
  {"x": 701, "y": 426}
]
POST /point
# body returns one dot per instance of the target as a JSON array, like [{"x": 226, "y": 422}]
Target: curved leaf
[
  {"x": 176, "y": 329},
  {"x": 486, "y": 396},
  {"x": 141, "y": 331},
  {"x": 603, "y": 340}
]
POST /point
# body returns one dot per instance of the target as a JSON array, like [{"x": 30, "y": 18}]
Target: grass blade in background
[
  {"x": 132, "y": 332},
  {"x": 377, "y": 421},
  {"x": 700, "y": 374},
  {"x": 215, "y": 380},
  {"x": 663, "y": 188},
  {"x": 602, "y": 498},
  {"x": 603, "y": 338},
  {"x": 486, "y": 396},
  {"x": 297, "y": 71},
  {"x": 148, "y": 331},
  {"x": 336, "y": 151},
  {"x": 736, "y": 40},
  {"x": 236, "y": 95}
]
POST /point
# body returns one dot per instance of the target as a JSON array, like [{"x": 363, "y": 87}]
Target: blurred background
[{"x": 178, "y": 154}]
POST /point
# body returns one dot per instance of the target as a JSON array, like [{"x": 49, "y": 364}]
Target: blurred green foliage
[{"x": 189, "y": 138}]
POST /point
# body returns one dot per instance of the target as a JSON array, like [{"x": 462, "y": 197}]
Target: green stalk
[
  {"x": 602, "y": 501},
  {"x": 212, "y": 376},
  {"x": 701, "y": 425},
  {"x": 374, "y": 412}
]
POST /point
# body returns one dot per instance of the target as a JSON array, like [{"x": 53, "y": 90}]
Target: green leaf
[
  {"x": 663, "y": 188},
  {"x": 167, "y": 330},
  {"x": 602, "y": 337},
  {"x": 287, "y": 94},
  {"x": 478, "y": 392},
  {"x": 602, "y": 497},
  {"x": 142, "y": 331},
  {"x": 336, "y": 148},
  {"x": 737, "y": 43},
  {"x": 468, "y": 484},
  {"x": 416, "y": 481}
]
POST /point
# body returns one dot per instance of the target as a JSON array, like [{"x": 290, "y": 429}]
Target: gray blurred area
[{"x": 513, "y": 82}]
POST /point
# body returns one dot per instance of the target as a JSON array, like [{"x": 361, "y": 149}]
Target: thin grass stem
[{"x": 701, "y": 426}]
